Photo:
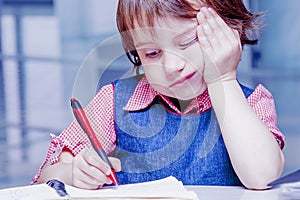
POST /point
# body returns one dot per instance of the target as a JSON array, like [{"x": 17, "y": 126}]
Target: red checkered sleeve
[
  {"x": 263, "y": 104},
  {"x": 73, "y": 139}
]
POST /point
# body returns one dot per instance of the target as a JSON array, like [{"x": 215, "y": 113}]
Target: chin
[
  {"x": 180, "y": 93},
  {"x": 188, "y": 94}
]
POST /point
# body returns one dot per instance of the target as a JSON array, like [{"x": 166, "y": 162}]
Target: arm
[
  {"x": 80, "y": 165},
  {"x": 255, "y": 155},
  {"x": 253, "y": 150}
]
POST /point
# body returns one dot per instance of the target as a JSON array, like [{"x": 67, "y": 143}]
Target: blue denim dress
[{"x": 155, "y": 143}]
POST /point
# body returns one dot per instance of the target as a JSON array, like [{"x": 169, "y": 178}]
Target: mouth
[{"x": 182, "y": 80}]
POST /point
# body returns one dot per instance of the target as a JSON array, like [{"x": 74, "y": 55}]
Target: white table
[{"x": 234, "y": 193}]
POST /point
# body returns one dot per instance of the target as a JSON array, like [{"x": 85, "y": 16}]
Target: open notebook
[{"x": 167, "y": 188}]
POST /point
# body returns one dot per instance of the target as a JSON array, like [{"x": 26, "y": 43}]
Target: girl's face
[{"x": 171, "y": 57}]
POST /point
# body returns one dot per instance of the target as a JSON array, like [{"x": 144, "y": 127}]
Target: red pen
[{"x": 85, "y": 125}]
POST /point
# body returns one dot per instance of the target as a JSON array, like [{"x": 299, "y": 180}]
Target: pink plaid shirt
[{"x": 100, "y": 112}]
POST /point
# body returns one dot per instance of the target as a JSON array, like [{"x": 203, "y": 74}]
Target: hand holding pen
[{"x": 85, "y": 158}]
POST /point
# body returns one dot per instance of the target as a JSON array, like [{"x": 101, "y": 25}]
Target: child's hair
[{"x": 144, "y": 13}]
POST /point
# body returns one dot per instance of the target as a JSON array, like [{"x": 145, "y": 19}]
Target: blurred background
[{"x": 52, "y": 50}]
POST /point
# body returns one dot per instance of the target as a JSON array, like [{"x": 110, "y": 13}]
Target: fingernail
[
  {"x": 211, "y": 9},
  {"x": 200, "y": 15}
]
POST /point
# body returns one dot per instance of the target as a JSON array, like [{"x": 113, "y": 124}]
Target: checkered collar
[{"x": 144, "y": 94}]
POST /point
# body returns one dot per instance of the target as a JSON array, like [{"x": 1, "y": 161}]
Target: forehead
[{"x": 167, "y": 27}]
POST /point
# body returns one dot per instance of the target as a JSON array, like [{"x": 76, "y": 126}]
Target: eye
[
  {"x": 152, "y": 54},
  {"x": 189, "y": 43}
]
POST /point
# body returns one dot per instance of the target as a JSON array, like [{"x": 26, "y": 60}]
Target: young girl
[{"x": 188, "y": 116}]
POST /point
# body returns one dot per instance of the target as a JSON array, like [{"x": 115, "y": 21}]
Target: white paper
[
  {"x": 167, "y": 188},
  {"x": 290, "y": 191}
]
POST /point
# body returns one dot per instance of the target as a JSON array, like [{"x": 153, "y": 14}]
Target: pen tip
[{"x": 116, "y": 186}]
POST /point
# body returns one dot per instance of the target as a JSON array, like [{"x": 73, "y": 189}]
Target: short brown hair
[{"x": 143, "y": 12}]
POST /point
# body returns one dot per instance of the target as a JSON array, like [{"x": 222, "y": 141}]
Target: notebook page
[
  {"x": 168, "y": 187},
  {"x": 33, "y": 192}
]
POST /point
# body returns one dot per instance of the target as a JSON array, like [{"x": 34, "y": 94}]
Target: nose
[{"x": 173, "y": 63}]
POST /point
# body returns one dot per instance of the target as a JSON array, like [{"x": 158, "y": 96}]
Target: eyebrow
[
  {"x": 186, "y": 33},
  {"x": 179, "y": 35},
  {"x": 140, "y": 43}
]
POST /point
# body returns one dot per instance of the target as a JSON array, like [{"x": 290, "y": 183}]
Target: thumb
[{"x": 116, "y": 163}]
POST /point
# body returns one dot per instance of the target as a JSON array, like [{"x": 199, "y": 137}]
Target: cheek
[
  {"x": 153, "y": 72},
  {"x": 156, "y": 79}
]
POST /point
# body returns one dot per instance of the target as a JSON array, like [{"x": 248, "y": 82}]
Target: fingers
[
  {"x": 86, "y": 181},
  {"x": 93, "y": 159},
  {"x": 85, "y": 174},
  {"x": 213, "y": 31},
  {"x": 220, "y": 44},
  {"x": 90, "y": 171},
  {"x": 203, "y": 31}
]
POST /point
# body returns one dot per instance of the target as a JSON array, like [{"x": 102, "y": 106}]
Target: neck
[{"x": 180, "y": 104}]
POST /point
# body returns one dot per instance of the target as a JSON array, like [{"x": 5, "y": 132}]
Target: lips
[{"x": 189, "y": 76}]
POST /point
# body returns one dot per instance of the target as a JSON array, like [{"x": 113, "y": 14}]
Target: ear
[{"x": 196, "y": 4}]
